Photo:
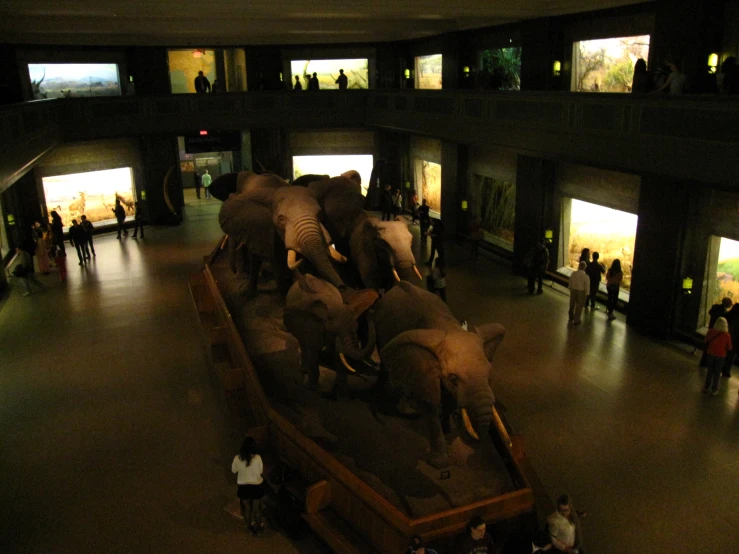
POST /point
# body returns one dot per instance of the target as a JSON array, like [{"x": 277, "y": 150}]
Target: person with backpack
[{"x": 247, "y": 464}]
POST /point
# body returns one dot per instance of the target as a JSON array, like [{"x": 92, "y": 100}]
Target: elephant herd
[{"x": 348, "y": 280}]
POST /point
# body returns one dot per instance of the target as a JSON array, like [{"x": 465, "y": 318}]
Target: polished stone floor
[{"x": 114, "y": 436}]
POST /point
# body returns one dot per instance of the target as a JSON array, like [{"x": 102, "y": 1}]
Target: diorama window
[
  {"x": 607, "y": 65},
  {"x": 496, "y": 209},
  {"x": 327, "y": 72},
  {"x": 428, "y": 71},
  {"x": 65, "y": 80},
  {"x": 500, "y": 69},
  {"x": 722, "y": 274},
  {"x": 184, "y": 66},
  {"x": 92, "y": 194},
  {"x": 427, "y": 179},
  {"x": 611, "y": 233},
  {"x": 334, "y": 165}
]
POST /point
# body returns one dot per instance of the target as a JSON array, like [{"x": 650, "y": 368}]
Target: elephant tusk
[
  {"x": 292, "y": 263},
  {"x": 336, "y": 256},
  {"x": 346, "y": 364},
  {"x": 468, "y": 425},
  {"x": 223, "y": 242},
  {"x": 240, "y": 246},
  {"x": 417, "y": 272},
  {"x": 395, "y": 274}
]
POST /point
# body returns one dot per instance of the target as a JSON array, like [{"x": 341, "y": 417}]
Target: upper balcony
[{"x": 686, "y": 137}]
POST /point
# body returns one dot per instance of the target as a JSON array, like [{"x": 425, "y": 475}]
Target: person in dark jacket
[
  {"x": 424, "y": 218},
  {"x": 57, "y": 227},
  {"x": 198, "y": 183},
  {"x": 78, "y": 238},
  {"x": 202, "y": 84},
  {"x": 120, "y": 216},
  {"x": 313, "y": 83},
  {"x": 88, "y": 227},
  {"x": 536, "y": 262},
  {"x": 719, "y": 310},
  {"x": 594, "y": 270},
  {"x": 139, "y": 221},
  {"x": 386, "y": 204},
  {"x": 342, "y": 81},
  {"x": 732, "y": 318},
  {"x": 437, "y": 242}
]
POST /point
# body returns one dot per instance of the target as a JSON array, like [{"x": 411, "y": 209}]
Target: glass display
[
  {"x": 356, "y": 71},
  {"x": 725, "y": 280},
  {"x": 184, "y": 68},
  {"x": 607, "y": 65},
  {"x": 427, "y": 177},
  {"x": 611, "y": 233},
  {"x": 92, "y": 194},
  {"x": 65, "y": 80},
  {"x": 334, "y": 165},
  {"x": 500, "y": 69},
  {"x": 497, "y": 206},
  {"x": 428, "y": 72}
]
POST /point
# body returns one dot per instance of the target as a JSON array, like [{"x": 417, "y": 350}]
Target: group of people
[
  {"x": 722, "y": 337},
  {"x": 671, "y": 79},
  {"x": 391, "y": 204},
  {"x": 585, "y": 283},
  {"x": 312, "y": 81},
  {"x": 204, "y": 181}
]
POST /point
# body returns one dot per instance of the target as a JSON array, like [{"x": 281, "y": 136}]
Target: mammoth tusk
[
  {"x": 336, "y": 256},
  {"x": 292, "y": 264},
  {"x": 395, "y": 274},
  {"x": 468, "y": 425},
  {"x": 417, "y": 272},
  {"x": 346, "y": 364}
]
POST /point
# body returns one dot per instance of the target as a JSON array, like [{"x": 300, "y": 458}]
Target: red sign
[{"x": 203, "y": 133}]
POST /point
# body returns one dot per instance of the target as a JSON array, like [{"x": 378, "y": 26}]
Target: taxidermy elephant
[
  {"x": 435, "y": 363},
  {"x": 381, "y": 251},
  {"x": 342, "y": 202},
  {"x": 319, "y": 316}
]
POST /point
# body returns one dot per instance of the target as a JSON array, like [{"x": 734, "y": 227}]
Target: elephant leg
[
  {"x": 341, "y": 384},
  {"x": 255, "y": 263},
  {"x": 232, "y": 255},
  {"x": 438, "y": 454},
  {"x": 309, "y": 332}
]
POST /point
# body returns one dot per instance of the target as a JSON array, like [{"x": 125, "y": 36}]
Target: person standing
[
  {"x": 247, "y": 464},
  {"x": 297, "y": 85},
  {"x": 732, "y": 318},
  {"x": 24, "y": 270},
  {"x": 138, "y": 221},
  {"x": 120, "y": 217},
  {"x": 536, "y": 263},
  {"x": 397, "y": 203},
  {"x": 579, "y": 286},
  {"x": 424, "y": 219},
  {"x": 718, "y": 345},
  {"x": 61, "y": 264},
  {"x": 584, "y": 256},
  {"x": 414, "y": 207},
  {"x": 476, "y": 540},
  {"x": 313, "y": 83},
  {"x": 437, "y": 241},
  {"x": 43, "y": 242},
  {"x": 202, "y": 84},
  {"x": 594, "y": 270},
  {"x": 207, "y": 180},
  {"x": 614, "y": 276},
  {"x": 642, "y": 80},
  {"x": 386, "y": 204},
  {"x": 88, "y": 227},
  {"x": 564, "y": 526},
  {"x": 78, "y": 238},
  {"x": 342, "y": 81},
  {"x": 57, "y": 228},
  {"x": 198, "y": 183}
]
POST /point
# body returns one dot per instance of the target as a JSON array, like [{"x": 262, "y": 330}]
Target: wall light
[
  {"x": 464, "y": 205},
  {"x": 407, "y": 184},
  {"x": 197, "y": 53},
  {"x": 712, "y": 62},
  {"x": 548, "y": 235},
  {"x": 687, "y": 286},
  {"x": 557, "y": 68},
  {"x": 466, "y": 70},
  {"x": 407, "y": 73}
]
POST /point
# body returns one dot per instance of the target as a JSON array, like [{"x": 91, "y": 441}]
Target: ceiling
[{"x": 235, "y": 22}]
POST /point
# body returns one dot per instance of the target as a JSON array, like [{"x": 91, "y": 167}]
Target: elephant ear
[
  {"x": 359, "y": 301},
  {"x": 492, "y": 335},
  {"x": 412, "y": 363}
]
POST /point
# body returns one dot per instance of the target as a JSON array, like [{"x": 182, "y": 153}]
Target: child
[{"x": 61, "y": 263}]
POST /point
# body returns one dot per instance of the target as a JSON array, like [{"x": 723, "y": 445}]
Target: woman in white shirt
[{"x": 248, "y": 465}]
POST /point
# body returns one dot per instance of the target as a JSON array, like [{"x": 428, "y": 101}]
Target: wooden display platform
[{"x": 335, "y": 493}]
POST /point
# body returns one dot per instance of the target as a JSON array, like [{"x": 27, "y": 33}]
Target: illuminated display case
[
  {"x": 67, "y": 80},
  {"x": 327, "y": 72},
  {"x": 427, "y": 177},
  {"x": 607, "y": 65},
  {"x": 334, "y": 165},
  {"x": 428, "y": 71},
  {"x": 92, "y": 194}
]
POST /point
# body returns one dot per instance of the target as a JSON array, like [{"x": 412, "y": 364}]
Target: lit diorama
[
  {"x": 92, "y": 194},
  {"x": 334, "y": 165},
  {"x": 722, "y": 272},
  {"x": 607, "y": 65},
  {"x": 304, "y": 341},
  {"x": 356, "y": 71},
  {"x": 184, "y": 66},
  {"x": 427, "y": 178},
  {"x": 611, "y": 233},
  {"x": 500, "y": 69},
  {"x": 428, "y": 72},
  {"x": 497, "y": 208},
  {"x": 65, "y": 80}
]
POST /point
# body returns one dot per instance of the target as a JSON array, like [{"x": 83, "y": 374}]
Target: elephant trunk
[
  {"x": 406, "y": 271},
  {"x": 480, "y": 404},
  {"x": 350, "y": 344},
  {"x": 310, "y": 242}
]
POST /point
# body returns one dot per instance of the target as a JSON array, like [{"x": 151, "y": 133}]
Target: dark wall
[
  {"x": 160, "y": 161},
  {"x": 263, "y": 68},
  {"x": 11, "y": 89},
  {"x": 150, "y": 69},
  {"x": 22, "y": 202}
]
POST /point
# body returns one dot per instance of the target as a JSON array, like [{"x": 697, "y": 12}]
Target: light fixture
[
  {"x": 466, "y": 70},
  {"x": 712, "y": 62},
  {"x": 557, "y": 68},
  {"x": 407, "y": 184},
  {"x": 464, "y": 205},
  {"x": 407, "y": 73},
  {"x": 687, "y": 286},
  {"x": 548, "y": 235},
  {"x": 198, "y": 53}
]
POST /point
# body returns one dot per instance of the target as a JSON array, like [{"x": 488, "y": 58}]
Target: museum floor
[{"x": 116, "y": 438}]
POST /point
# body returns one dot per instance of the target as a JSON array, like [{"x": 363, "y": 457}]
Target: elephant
[
  {"x": 341, "y": 200},
  {"x": 426, "y": 354},
  {"x": 319, "y": 316},
  {"x": 277, "y": 222}
]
